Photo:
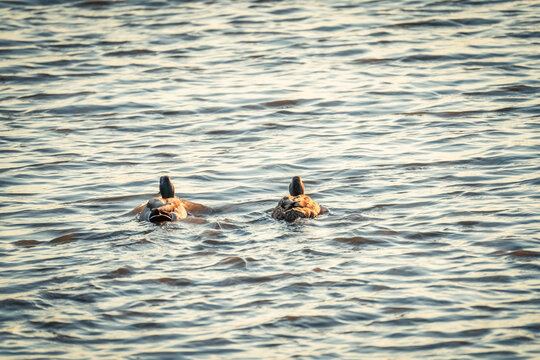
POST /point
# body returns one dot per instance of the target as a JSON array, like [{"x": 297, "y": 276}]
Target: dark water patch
[
  {"x": 43, "y": 166},
  {"x": 532, "y": 327},
  {"x": 169, "y": 24},
  {"x": 488, "y": 308},
  {"x": 419, "y": 165},
  {"x": 522, "y": 35},
  {"x": 181, "y": 282},
  {"x": 378, "y": 288},
  {"x": 397, "y": 310},
  {"x": 83, "y": 109},
  {"x": 422, "y": 58},
  {"x": 496, "y": 355},
  {"x": 65, "y": 239},
  {"x": 275, "y": 126},
  {"x": 482, "y": 279},
  {"x": 254, "y": 279},
  {"x": 111, "y": 42},
  {"x": 430, "y": 253},
  {"x": 403, "y": 271},
  {"x": 172, "y": 113},
  {"x": 470, "y": 223},
  {"x": 68, "y": 45},
  {"x": 95, "y": 4},
  {"x": 256, "y": 304},
  {"x": 357, "y": 241},
  {"x": 424, "y": 347},
  {"x": 531, "y": 301},
  {"x": 27, "y": 243},
  {"x": 288, "y": 10},
  {"x": 127, "y": 314},
  {"x": 436, "y": 23},
  {"x": 46, "y": 96},
  {"x": 448, "y": 114},
  {"x": 17, "y": 304},
  {"x": 426, "y": 235},
  {"x": 234, "y": 262},
  {"x": 133, "y": 52},
  {"x": 84, "y": 298},
  {"x": 286, "y": 103},
  {"x": 372, "y": 60},
  {"x": 162, "y": 69},
  {"x": 348, "y": 52},
  {"x": 355, "y": 316},
  {"x": 506, "y": 90},
  {"x": 305, "y": 322},
  {"x": 402, "y": 321},
  {"x": 120, "y": 272},
  {"x": 148, "y": 325},
  {"x": 524, "y": 254},
  {"x": 516, "y": 340},
  {"x": 53, "y": 325}
]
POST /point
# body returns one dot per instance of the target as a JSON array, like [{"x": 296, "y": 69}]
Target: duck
[
  {"x": 297, "y": 205},
  {"x": 167, "y": 207}
]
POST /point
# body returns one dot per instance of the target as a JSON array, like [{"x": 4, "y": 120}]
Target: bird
[
  {"x": 165, "y": 208},
  {"x": 297, "y": 205}
]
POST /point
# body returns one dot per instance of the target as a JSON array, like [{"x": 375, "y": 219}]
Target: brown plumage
[
  {"x": 167, "y": 207},
  {"x": 158, "y": 210},
  {"x": 297, "y": 205}
]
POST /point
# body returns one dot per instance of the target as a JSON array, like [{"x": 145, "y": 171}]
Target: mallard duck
[
  {"x": 297, "y": 205},
  {"x": 167, "y": 207}
]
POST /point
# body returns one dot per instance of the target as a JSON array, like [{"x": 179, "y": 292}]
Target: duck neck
[
  {"x": 296, "y": 187},
  {"x": 166, "y": 188}
]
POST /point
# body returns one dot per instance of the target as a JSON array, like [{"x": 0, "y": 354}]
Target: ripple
[{"x": 357, "y": 241}]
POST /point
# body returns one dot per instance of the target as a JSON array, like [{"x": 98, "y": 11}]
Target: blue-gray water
[{"x": 415, "y": 122}]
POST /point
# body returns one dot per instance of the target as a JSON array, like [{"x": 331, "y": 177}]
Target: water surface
[{"x": 415, "y": 122}]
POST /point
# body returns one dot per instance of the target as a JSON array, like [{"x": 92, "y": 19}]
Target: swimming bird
[
  {"x": 167, "y": 207},
  {"x": 297, "y": 205}
]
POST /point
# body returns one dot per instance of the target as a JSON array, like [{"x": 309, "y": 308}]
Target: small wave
[
  {"x": 27, "y": 243},
  {"x": 169, "y": 281},
  {"x": 357, "y": 241},
  {"x": 45, "y": 96},
  {"x": 94, "y": 4},
  {"x": 120, "y": 272},
  {"x": 286, "y": 103},
  {"x": 254, "y": 279},
  {"x": 134, "y": 52},
  {"x": 233, "y": 261},
  {"x": 524, "y": 254},
  {"x": 65, "y": 239}
]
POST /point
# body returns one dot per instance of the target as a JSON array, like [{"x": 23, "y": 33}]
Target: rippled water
[{"x": 415, "y": 122}]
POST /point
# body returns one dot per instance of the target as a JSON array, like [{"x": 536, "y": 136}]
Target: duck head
[
  {"x": 296, "y": 187},
  {"x": 166, "y": 188}
]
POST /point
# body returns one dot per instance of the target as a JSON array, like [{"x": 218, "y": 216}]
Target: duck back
[{"x": 291, "y": 208}]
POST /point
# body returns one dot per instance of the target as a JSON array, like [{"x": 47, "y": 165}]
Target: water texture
[{"x": 415, "y": 122}]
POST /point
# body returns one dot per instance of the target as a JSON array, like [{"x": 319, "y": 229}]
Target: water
[{"x": 415, "y": 123}]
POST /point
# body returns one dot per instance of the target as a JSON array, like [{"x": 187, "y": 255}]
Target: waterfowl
[
  {"x": 167, "y": 207},
  {"x": 297, "y": 205}
]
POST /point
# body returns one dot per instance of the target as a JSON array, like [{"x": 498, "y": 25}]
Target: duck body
[
  {"x": 290, "y": 208},
  {"x": 167, "y": 207},
  {"x": 159, "y": 210},
  {"x": 297, "y": 205}
]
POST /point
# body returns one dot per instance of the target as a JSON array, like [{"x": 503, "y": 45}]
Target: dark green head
[
  {"x": 296, "y": 187},
  {"x": 166, "y": 188}
]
